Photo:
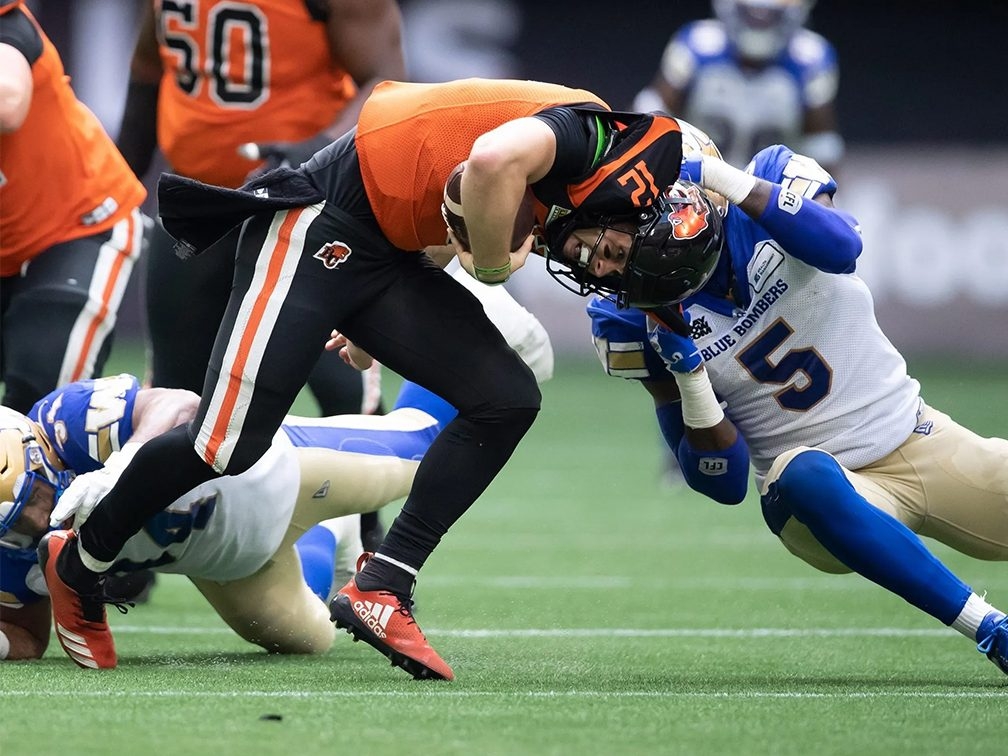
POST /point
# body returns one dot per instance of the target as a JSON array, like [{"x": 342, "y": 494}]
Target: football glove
[
  {"x": 83, "y": 494},
  {"x": 678, "y": 352}
]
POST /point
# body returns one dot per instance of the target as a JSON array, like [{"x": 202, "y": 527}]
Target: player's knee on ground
[{"x": 788, "y": 494}]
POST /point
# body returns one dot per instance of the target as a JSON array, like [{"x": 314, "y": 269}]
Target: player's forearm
[
  {"x": 138, "y": 129},
  {"x": 158, "y": 410},
  {"x": 810, "y": 231}
]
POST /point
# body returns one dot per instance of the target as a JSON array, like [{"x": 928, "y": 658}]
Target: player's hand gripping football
[{"x": 465, "y": 258}]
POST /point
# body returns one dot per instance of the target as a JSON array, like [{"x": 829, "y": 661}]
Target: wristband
[
  {"x": 482, "y": 274},
  {"x": 726, "y": 180},
  {"x": 4, "y": 645},
  {"x": 700, "y": 407}
]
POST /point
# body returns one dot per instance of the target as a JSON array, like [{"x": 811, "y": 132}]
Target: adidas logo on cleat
[{"x": 375, "y": 615}]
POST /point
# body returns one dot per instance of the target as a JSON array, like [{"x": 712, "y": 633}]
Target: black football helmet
[{"x": 677, "y": 241}]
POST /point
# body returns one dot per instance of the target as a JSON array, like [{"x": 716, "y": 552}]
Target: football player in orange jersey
[
  {"x": 70, "y": 224},
  {"x": 336, "y": 243},
  {"x": 208, "y": 77}
]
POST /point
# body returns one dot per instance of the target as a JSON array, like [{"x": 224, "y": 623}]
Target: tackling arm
[
  {"x": 715, "y": 460},
  {"x": 712, "y": 453},
  {"x": 155, "y": 411},
  {"x": 813, "y": 232}
]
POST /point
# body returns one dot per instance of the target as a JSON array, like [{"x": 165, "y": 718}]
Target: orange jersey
[
  {"x": 61, "y": 176},
  {"x": 242, "y": 72},
  {"x": 411, "y": 136}
]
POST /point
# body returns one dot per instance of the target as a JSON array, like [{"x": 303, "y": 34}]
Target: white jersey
[
  {"x": 795, "y": 353},
  {"x": 741, "y": 109},
  {"x": 226, "y": 528},
  {"x": 791, "y": 377}
]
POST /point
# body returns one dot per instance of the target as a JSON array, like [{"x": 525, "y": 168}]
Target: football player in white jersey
[
  {"x": 777, "y": 360},
  {"x": 752, "y": 77},
  {"x": 248, "y": 542}
]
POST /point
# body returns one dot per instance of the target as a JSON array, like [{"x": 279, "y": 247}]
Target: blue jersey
[
  {"x": 88, "y": 420},
  {"x": 744, "y": 110}
]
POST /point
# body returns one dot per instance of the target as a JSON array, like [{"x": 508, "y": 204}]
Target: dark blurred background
[{"x": 923, "y": 105}]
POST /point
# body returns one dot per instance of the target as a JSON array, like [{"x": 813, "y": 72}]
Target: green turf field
[{"x": 586, "y": 608}]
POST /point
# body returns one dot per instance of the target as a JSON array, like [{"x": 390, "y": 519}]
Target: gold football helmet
[
  {"x": 695, "y": 143},
  {"x": 27, "y": 459}
]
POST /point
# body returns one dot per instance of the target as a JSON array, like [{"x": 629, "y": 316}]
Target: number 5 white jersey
[
  {"x": 803, "y": 361},
  {"x": 805, "y": 364}
]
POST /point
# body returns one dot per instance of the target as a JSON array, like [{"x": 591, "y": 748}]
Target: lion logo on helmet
[{"x": 688, "y": 218}]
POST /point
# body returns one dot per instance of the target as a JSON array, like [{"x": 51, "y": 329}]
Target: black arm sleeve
[
  {"x": 138, "y": 131},
  {"x": 18, "y": 31},
  {"x": 576, "y": 141}
]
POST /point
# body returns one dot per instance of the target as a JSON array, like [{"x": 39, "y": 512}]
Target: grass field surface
[{"x": 586, "y": 607}]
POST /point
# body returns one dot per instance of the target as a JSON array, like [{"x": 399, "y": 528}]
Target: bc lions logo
[
  {"x": 332, "y": 254},
  {"x": 689, "y": 221}
]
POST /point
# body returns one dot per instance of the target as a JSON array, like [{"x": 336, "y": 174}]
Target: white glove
[{"x": 83, "y": 494}]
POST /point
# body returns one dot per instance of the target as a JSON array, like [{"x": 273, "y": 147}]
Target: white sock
[
  {"x": 95, "y": 565},
  {"x": 969, "y": 619}
]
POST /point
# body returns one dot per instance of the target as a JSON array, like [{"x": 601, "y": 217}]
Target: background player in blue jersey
[
  {"x": 751, "y": 77},
  {"x": 779, "y": 362}
]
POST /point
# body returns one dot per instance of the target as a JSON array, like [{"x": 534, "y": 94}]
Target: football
[{"x": 451, "y": 209}]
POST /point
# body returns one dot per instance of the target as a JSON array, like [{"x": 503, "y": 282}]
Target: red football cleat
[
  {"x": 80, "y": 621},
  {"x": 384, "y": 621}
]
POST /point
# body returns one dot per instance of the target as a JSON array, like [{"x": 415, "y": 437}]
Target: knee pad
[{"x": 789, "y": 494}]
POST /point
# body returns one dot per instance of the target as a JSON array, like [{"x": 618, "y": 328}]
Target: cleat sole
[{"x": 418, "y": 670}]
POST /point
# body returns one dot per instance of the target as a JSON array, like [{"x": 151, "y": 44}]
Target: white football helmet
[
  {"x": 27, "y": 459},
  {"x": 761, "y": 29}
]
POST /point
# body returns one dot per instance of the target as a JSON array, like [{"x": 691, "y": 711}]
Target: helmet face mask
[
  {"x": 26, "y": 462},
  {"x": 574, "y": 275},
  {"x": 676, "y": 243}
]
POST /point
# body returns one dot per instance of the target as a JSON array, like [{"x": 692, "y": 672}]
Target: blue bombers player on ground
[
  {"x": 778, "y": 361},
  {"x": 752, "y": 77},
  {"x": 248, "y": 542}
]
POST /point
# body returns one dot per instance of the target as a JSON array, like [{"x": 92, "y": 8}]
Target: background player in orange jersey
[
  {"x": 337, "y": 244},
  {"x": 208, "y": 77},
  {"x": 70, "y": 224}
]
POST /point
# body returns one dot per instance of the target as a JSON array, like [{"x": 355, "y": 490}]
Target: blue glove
[
  {"x": 692, "y": 169},
  {"x": 679, "y": 353}
]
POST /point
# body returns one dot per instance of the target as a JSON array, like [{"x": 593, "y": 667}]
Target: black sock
[
  {"x": 379, "y": 575},
  {"x": 71, "y": 570},
  {"x": 165, "y": 468}
]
